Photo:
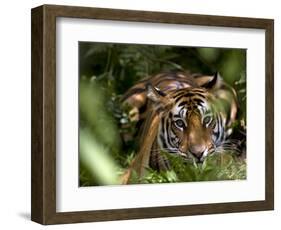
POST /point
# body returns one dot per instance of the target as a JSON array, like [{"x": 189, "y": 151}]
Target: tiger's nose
[{"x": 197, "y": 151}]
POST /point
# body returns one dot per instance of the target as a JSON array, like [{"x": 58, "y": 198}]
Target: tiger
[{"x": 184, "y": 114}]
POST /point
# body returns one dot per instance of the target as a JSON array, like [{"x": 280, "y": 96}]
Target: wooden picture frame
[{"x": 43, "y": 207}]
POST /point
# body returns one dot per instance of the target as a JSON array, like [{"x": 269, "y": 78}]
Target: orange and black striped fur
[{"x": 183, "y": 114}]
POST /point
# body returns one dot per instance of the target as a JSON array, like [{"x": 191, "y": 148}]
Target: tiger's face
[{"x": 190, "y": 127}]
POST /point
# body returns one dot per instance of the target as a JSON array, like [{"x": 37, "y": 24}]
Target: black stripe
[
  {"x": 178, "y": 94},
  {"x": 162, "y": 125},
  {"x": 198, "y": 101},
  {"x": 170, "y": 115},
  {"x": 198, "y": 90},
  {"x": 187, "y": 95},
  {"x": 182, "y": 103},
  {"x": 191, "y": 94},
  {"x": 179, "y": 98},
  {"x": 220, "y": 131},
  {"x": 168, "y": 128},
  {"x": 162, "y": 138}
]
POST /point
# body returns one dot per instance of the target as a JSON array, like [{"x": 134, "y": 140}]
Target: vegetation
[{"x": 108, "y": 70}]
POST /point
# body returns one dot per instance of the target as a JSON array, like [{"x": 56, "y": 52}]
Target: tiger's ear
[
  {"x": 154, "y": 94},
  {"x": 209, "y": 82},
  {"x": 161, "y": 102}
]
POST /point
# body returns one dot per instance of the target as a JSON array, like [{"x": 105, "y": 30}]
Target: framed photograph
[{"x": 140, "y": 114}]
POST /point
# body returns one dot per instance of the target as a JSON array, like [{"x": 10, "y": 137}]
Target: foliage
[
  {"x": 223, "y": 166},
  {"x": 108, "y": 70}
]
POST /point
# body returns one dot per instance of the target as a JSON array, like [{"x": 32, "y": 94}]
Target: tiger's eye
[
  {"x": 179, "y": 123},
  {"x": 207, "y": 119}
]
